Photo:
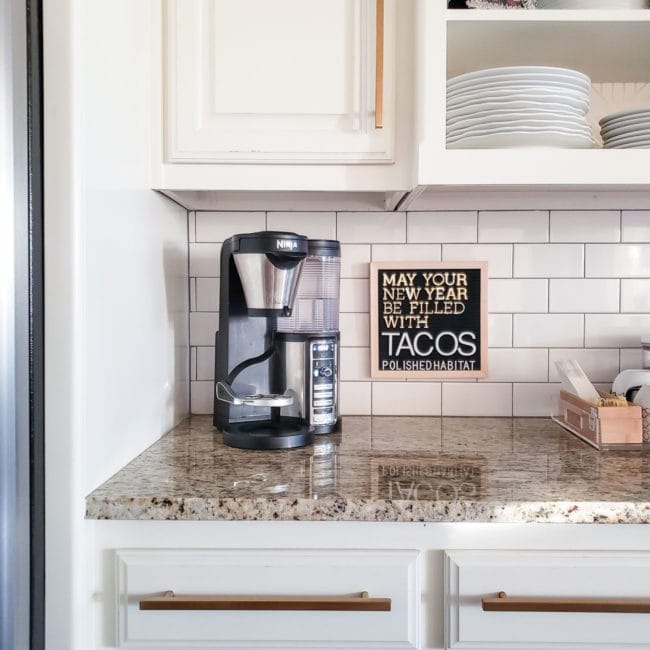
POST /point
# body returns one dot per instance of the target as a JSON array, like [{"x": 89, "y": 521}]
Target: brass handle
[
  {"x": 505, "y": 603},
  {"x": 379, "y": 66},
  {"x": 360, "y": 603}
]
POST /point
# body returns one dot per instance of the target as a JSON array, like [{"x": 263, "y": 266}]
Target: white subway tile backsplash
[
  {"x": 615, "y": 330},
  {"x": 571, "y": 296},
  {"x": 207, "y": 294},
  {"x": 400, "y": 398},
  {"x": 599, "y": 365},
  {"x": 517, "y": 296},
  {"x": 356, "y": 398},
  {"x": 589, "y": 269},
  {"x": 513, "y": 226},
  {"x": 204, "y": 260},
  {"x": 315, "y": 225},
  {"x": 618, "y": 260},
  {"x": 500, "y": 330},
  {"x": 355, "y": 295},
  {"x": 441, "y": 227},
  {"x": 406, "y": 252},
  {"x": 548, "y": 330},
  {"x": 585, "y": 226},
  {"x": 355, "y": 364},
  {"x": 355, "y": 330},
  {"x": 201, "y": 400},
  {"x": 636, "y": 225},
  {"x": 218, "y": 226},
  {"x": 549, "y": 260},
  {"x": 631, "y": 358},
  {"x": 204, "y": 363},
  {"x": 203, "y": 326},
  {"x": 517, "y": 364},
  {"x": 481, "y": 399},
  {"x": 497, "y": 256},
  {"x": 534, "y": 400},
  {"x": 635, "y": 295},
  {"x": 354, "y": 260},
  {"x": 375, "y": 227}
]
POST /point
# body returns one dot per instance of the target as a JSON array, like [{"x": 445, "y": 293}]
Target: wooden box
[{"x": 602, "y": 427}]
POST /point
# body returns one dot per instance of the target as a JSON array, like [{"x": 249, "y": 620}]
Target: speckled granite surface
[{"x": 385, "y": 469}]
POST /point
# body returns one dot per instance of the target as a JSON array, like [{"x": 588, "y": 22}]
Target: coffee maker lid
[
  {"x": 270, "y": 241},
  {"x": 325, "y": 247}
]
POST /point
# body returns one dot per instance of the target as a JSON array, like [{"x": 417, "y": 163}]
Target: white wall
[
  {"x": 133, "y": 244},
  {"x": 116, "y": 280},
  {"x": 563, "y": 283}
]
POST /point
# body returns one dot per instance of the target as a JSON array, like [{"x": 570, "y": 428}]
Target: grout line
[
  {"x": 620, "y": 296},
  {"x": 620, "y": 226},
  {"x": 189, "y": 310}
]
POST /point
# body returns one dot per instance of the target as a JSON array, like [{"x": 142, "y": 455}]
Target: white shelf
[
  {"x": 570, "y": 168},
  {"x": 548, "y": 15}
]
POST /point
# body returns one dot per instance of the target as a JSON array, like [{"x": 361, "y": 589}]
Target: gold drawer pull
[
  {"x": 505, "y": 603},
  {"x": 379, "y": 66},
  {"x": 360, "y": 603}
]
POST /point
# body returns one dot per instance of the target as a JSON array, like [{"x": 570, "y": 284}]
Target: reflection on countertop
[{"x": 384, "y": 469}]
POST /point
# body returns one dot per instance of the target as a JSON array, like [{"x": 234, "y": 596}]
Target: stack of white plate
[
  {"x": 626, "y": 130},
  {"x": 592, "y": 4},
  {"x": 523, "y": 106}
]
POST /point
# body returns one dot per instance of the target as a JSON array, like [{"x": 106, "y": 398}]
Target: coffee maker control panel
[{"x": 323, "y": 355}]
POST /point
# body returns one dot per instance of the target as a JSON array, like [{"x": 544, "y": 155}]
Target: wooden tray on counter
[{"x": 603, "y": 427}]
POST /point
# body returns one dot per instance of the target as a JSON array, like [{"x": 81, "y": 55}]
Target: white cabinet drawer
[
  {"x": 472, "y": 576},
  {"x": 383, "y": 574}
]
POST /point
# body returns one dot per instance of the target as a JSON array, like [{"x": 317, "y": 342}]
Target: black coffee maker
[{"x": 259, "y": 279}]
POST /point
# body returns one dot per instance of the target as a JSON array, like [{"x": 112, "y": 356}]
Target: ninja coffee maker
[
  {"x": 309, "y": 338},
  {"x": 260, "y": 387}
]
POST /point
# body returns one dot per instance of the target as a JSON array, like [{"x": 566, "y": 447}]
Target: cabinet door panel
[
  {"x": 282, "y": 81},
  {"x": 474, "y": 575},
  {"x": 383, "y": 574}
]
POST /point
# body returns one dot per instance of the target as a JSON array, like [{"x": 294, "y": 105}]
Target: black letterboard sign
[{"x": 428, "y": 319}]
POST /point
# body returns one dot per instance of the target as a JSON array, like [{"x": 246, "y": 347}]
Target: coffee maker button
[{"x": 326, "y": 372}]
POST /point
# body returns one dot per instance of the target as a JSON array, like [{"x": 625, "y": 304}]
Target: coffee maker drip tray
[
  {"x": 225, "y": 394},
  {"x": 280, "y": 433}
]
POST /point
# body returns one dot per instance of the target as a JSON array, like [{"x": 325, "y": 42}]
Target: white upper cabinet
[
  {"x": 287, "y": 94},
  {"x": 332, "y": 96},
  {"x": 280, "y": 82}
]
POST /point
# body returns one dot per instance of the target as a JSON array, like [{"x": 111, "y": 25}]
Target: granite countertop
[{"x": 384, "y": 469}]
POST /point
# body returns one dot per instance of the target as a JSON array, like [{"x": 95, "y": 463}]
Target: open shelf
[
  {"x": 606, "y": 51},
  {"x": 612, "y": 47}
]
